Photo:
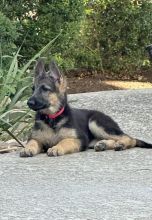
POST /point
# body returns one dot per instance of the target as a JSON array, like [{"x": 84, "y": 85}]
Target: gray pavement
[{"x": 88, "y": 185}]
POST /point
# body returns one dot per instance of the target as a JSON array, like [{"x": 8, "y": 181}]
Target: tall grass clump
[{"x": 15, "y": 84}]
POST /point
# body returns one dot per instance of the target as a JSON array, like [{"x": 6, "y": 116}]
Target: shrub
[
  {"x": 41, "y": 21},
  {"x": 103, "y": 34},
  {"x": 122, "y": 29},
  {"x": 8, "y": 36}
]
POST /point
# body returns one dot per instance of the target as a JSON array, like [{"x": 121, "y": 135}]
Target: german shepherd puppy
[{"x": 60, "y": 129}]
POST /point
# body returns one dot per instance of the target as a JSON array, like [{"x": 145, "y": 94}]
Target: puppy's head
[{"x": 49, "y": 89}]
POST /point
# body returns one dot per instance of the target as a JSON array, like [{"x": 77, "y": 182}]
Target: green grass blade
[{"x": 16, "y": 97}]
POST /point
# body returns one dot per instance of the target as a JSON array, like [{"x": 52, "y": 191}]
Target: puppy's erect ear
[
  {"x": 40, "y": 68},
  {"x": 54, "y": 71}
]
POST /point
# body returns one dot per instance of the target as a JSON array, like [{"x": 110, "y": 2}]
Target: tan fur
[
  {"x": 43, "y": 136},
  {"x": 32, "y": 148},
  {"x": 126, "y": 141},
  {"x": 54, "y": 102},
  {"x": 53, "y": 99},
  {"x": 66, "y": 146},
  {"x": 48, "y": 136},
  {"x": 64, "y": 138},
  {"x": 67, "y": 133},
  {"x": 100, "y": 133},
  {"x": 104, "y": 145},
  {"x": 62, "y": 85}
]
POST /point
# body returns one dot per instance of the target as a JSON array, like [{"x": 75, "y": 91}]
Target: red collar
[{"x": 55, "y": 115}]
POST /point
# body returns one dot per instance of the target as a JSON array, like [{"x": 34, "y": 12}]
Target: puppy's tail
[{"x": 143, "y": 144}]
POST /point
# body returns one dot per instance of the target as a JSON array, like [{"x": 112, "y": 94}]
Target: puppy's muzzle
[{"x": 36, "y": 104}]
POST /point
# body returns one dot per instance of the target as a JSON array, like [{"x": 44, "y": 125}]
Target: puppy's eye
[{"x": 45, "y": 88}]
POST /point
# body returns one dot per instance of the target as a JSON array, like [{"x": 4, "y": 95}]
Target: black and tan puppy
[{"x": 60, "y": 129}]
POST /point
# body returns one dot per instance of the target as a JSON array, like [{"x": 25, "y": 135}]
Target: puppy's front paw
[
  {"x": 55, "y": 151},
  {"x": 26, "y": 152}
]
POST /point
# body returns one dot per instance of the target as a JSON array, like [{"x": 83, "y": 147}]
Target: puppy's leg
[
  {"x": 112, "y": 137},
  {"x": 117, "y": 144},
  {"x": 32, "y": 148},
  {"x": 125, "y": 142},
  {"x": 105, "y": 145},
  {"x": 66, "y": 146}
]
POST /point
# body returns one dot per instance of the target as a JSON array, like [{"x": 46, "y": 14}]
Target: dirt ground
[{"x": 98, "y": 82}]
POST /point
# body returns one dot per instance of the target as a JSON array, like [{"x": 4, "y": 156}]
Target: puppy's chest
[{"x": 50, "y": 137}]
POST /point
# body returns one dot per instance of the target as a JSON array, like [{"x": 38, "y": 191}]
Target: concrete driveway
[{"x": 88, "y": 185}]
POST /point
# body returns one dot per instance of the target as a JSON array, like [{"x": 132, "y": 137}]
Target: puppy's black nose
[{"x": 31, "y": 102}]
